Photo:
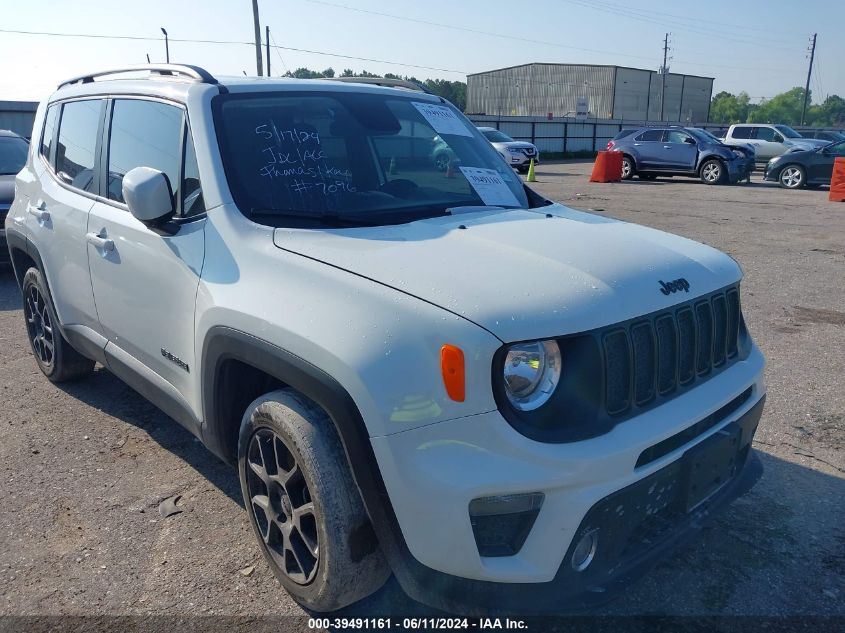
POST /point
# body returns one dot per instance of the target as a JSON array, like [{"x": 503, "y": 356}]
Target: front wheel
[
  {"x": 303, "y": 504},
  {"x": 55, "y": 357},
  {"x": 628, "y": 168},
  {"x": 713, "y": 172},
  {"x": 792, "y": 177}
]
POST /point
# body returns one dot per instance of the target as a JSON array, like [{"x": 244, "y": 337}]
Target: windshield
[
  {"x": 787, "y": 131},
  {"x": 304, "y": 159},
  {"x": 495, "y": 136},
  {"x": 13, "y": 152}
]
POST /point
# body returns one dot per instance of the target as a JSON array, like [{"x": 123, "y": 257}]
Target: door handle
[
  {"x": 101, "y": 242},
  {"x": 667, "y": 147},
  {"x": 39, "y": 211}
]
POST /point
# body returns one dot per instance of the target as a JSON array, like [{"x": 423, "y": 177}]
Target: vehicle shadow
[
  {"x": 10, "y": 294},
  {"x": 107, "y": 393}
]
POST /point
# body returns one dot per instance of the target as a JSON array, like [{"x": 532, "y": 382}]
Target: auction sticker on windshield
[
  {"x": 490, "y": 187},
  {"x": 442, "y": 119}
]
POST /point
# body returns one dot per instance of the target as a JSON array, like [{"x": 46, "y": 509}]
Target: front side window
[
  {"x": 13, "y": 151},
  {"x": 49, "y": 131},
  {"x": 77, "y": 143},
  {"x": 650, "y": 135},
  {"x": 766, "y": 134},
  {"x": 676, "y": 136},
  {"x": 495, "y": 136},
  {"x": 144, "y": 134},
  {"x": 309, "y": 159}
]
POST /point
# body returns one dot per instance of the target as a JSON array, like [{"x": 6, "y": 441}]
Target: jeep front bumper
[{"x": 638, "y": 513}]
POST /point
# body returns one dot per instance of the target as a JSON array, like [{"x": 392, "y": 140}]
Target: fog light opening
[
  {"x": 501, "y": 524},
  {"x": 585, "y": 550}
]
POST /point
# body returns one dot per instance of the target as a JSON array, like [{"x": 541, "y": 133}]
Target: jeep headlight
[{"x": 531, "y": 373}]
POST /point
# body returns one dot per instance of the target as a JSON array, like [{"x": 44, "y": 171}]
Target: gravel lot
[{"x": 84, "y": 467}]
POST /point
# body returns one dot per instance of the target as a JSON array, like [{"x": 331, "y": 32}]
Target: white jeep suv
[{"x": 507, "y": 403}]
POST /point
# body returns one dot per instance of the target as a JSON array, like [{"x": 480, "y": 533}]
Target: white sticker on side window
[
  {"x": 442, "y": 119},
  {"x": 490, "y": 187}
]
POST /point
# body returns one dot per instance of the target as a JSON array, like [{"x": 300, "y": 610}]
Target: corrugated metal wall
[
  {"x": 537, "y": 89},
  {"x": 18, "y": 116},
  {"x": 612, "y": 92}
]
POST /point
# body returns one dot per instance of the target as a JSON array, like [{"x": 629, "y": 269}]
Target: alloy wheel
[
  {"x": 39, "y": 326},
  {"x": 791, "y": 177},
  {"x": 282, "y": 506},
  {"x": 712, "y": 172},
  {"x": 626, "y": 168}
]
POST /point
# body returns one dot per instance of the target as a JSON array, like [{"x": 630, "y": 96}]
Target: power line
[
  {"x": 526, "y": 39},
  {"x": 475, "y": 31},
  {"x": 276, "y": 49},
  {"x": 198, "y": 41}
]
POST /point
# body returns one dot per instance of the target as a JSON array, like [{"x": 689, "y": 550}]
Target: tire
[
  {"x": 522, "y": 169},
  {"x": 303, "y": 504},
  {"x": 713, "y": 172},
  {"x": 54, "y": 355},
  {"x": 792, "y": 177},
  {"x": 629, "y": 167}
]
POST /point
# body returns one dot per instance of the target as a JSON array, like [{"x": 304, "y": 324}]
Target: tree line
[
  {"x": 454, "y": 91},
  {"x": 783, "y": 108}
]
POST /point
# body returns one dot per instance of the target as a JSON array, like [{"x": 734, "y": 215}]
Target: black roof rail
[
  {"x": 163, "y": 70},
  {"x": 387, "y": 83}
]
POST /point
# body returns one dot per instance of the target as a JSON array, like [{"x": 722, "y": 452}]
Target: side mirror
[
  {"x": 148, "y": 195},
  {"x": 778, "y": 138},
  {"x": 689, "y": 140}
]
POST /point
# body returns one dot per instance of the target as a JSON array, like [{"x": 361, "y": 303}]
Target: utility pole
[
  {"x": 809, "y": 72},
  {"x": 267, "y": 48},
  {"x": 257, "y": 37},
  {"x": 166, "y": 45},
  {"x": 663, "y": 76}
]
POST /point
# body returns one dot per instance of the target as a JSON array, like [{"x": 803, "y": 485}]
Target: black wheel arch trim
[{"x": 224, "y": 343}]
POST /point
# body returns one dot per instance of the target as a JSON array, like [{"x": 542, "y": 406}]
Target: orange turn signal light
[{"x": 452, "y": 368}]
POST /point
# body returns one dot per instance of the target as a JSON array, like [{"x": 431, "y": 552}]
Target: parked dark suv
[
  {"x": 13, "y": 151},
  {"x": 682, "y": 151}
]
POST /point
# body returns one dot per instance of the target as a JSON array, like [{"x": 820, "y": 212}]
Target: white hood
[{"x": 523, "y": 275}]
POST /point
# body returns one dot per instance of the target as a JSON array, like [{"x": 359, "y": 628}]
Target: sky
[{"x": 760, "y": 46}]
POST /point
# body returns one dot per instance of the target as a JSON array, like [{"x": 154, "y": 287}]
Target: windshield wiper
[{"x": 321, "y": 218}]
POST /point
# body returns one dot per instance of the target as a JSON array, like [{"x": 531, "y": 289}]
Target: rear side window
[
  {"x": 650, "y": 135},
  {"x": 78, "y": 143},
  {"x": 741, "y": 132},
  {"x": 144, "y": 134},
  {"x": 49, "y": 130}
]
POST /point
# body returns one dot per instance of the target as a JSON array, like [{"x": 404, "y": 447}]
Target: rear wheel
[
  {"x": 713, "y": 172},
  {"x": 55, "y": 357},
  {"x": 628, "y": 168},
  {"x": 792, "y": 177},
  {"x": 303, "y": 504}
]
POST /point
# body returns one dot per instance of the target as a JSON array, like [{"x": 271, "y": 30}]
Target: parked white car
[
  {"x": 508, "y": 403},
  {"x": 769, "y": 140},
  {"x": 517, "y": 154}
]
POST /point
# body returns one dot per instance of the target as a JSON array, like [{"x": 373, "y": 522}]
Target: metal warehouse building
[{"x": 608, "y": 92}]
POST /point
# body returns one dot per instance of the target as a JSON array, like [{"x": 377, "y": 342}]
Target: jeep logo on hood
[{"x": 673, "y": 286}]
